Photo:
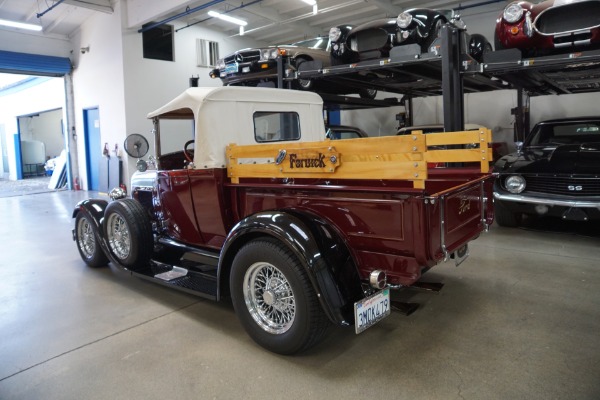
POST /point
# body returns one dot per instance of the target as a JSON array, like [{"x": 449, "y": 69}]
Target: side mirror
[{"x": 519, "y": 146}]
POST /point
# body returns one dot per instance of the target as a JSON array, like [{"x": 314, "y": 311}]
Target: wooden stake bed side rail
[{"x": 390, "y": 157}]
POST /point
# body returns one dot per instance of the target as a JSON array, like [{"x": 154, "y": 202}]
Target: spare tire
[{"x": 128, "y": 233}]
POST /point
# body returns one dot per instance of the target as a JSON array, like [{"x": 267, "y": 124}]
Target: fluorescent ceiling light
[
  {"x": 20, "y": 25},
  {"x": 310, "y": 2},
  {"x": 227, "y": 18}
]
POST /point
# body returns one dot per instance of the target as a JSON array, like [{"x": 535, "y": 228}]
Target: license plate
[
  {"x": 371, "y": 310},
  {"x": 231, "y": 68}
]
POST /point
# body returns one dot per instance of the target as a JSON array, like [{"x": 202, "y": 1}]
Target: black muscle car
[
  {"x": 417, "y": 26},
  {"x": 555, "y": 172}
]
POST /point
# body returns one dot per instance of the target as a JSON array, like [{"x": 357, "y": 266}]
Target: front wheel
[
  {"x": 128, "y": 232},
  {"x": 86, "y": 237},
  {"x": 505, "y": 217},
  {"x": 274, "y": 298}
]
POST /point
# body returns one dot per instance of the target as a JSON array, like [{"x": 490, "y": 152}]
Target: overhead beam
[
  {"x": 277, "y": 18},
  {"x": 96, "y": 5}
]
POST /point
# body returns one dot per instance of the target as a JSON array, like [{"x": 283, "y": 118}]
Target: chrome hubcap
[
  {"x": 118, "y": 236},
  {"x": 85, "y": 235},
  {"x": 269, "y": 298}
]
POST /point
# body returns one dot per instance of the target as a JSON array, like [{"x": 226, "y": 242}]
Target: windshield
[{"x": 568, "y": 132}]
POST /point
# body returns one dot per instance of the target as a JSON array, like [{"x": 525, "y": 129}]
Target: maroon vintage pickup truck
[{"x": 299, "y": 231}]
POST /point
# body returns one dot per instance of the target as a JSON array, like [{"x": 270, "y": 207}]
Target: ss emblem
[{"x": 575, "y": 188}]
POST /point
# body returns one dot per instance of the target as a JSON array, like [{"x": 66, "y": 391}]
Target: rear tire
[
  {"x": 505, "y": 217},
  {"x": 128, "y": 233},
  {"x": 367, "y": 93},
  {"x": 86, "y": 237},
  {"x": 274, "y": 298}
]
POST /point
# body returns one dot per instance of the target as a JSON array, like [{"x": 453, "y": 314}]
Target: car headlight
[
  {"x": 334, "y": 34},
  {"x": 515, "y": 183},
  {"x": 269, "y": 54},
  {"x": 221, "y": 63},
  {"x": 404, "y": 20},
  {"x": 512, "y": 13}
]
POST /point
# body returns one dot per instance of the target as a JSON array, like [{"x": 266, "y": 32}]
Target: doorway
[{"x": 93, "y": 146}]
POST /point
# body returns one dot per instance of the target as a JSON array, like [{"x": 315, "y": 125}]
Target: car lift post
[
  {"x": 279, "y": 72},
  {"x": 452, "y": 81}
]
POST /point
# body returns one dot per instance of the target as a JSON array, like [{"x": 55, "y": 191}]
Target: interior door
[{"x": 93, "y": 147}]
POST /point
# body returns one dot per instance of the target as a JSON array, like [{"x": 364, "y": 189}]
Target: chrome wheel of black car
[
  {"x": 368, "y": 93},
  {"x": 274, "y": 298},
  {"x": 87, "y": 241},
  {"x": 128, "y": 233},
  {"x": 117, "y": 234}
]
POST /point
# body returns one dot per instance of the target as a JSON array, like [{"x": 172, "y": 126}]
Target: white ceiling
[{"x": 271, "y": 21}]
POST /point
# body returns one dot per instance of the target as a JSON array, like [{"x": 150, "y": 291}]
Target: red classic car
[
  {"x": 299, "y": 232},
  {"x": 548, "y": 27}
]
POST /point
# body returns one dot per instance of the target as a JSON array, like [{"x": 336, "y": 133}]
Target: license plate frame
[
  {"x": 371, "y": 310},
  {"x": 232, "y": 68}
]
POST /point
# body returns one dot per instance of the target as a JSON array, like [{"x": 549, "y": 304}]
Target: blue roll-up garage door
[{"x": 33, "y": 64}]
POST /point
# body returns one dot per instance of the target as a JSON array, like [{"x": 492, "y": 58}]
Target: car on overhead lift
[
  {"x": 258, "y": 67},
  {"x": 414, "y": 31},
  {"x": 548, "y": 27}
]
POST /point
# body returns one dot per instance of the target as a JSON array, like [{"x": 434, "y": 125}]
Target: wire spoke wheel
[
  {"x": 274, "y": 299},
  {"x": 86, "y": 238},
  {"x": 118, "y": 236},
  {"x": 269, "y": 298}
]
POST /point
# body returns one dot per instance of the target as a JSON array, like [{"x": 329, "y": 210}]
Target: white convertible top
[{"x": 224, "y": 115}]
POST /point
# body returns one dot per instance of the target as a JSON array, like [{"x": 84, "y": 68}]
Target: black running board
[{"x": 197, "y": 283}]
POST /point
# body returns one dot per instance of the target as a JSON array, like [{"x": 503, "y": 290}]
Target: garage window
[{"x": 207, "y": 53}]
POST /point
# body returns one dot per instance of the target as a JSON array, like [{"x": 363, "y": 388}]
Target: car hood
[{"x": 570, "y": 159}]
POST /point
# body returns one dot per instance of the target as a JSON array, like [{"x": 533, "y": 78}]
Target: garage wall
[
  {"x": 98, "y": 81},
  {"x": 149, "y": 84},
  {"x": 115, "y": 77}
]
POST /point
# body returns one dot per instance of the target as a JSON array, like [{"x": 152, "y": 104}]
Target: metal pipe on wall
[{"x": 188, "y": 11}]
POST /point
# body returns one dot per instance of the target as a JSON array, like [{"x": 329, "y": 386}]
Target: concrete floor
[{"x": 520, "y": 319}]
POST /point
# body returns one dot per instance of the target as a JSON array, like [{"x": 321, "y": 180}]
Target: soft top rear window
[{"x": 276, "y": 126}]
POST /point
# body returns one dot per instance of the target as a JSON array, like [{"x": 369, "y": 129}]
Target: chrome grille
[
  {"x": 244, "y": 56},
  {"x": 569, "y": 18},
  {"x": 563, "y": 185}
]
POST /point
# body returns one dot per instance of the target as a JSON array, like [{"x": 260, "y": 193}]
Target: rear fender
[
  {"x": 318, "y": 247},
  {"x": 94, "y": 208}
]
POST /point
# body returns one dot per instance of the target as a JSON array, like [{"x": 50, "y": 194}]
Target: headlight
[
  {"x": 515, "y": 184},
  {"x": 334, "y": 34},
  {"x": 404, "y": 20},
  {"x": 268, "y": 54},
  {"x": 221, "y": 63},
  {"x": 512, "y": 13}
]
